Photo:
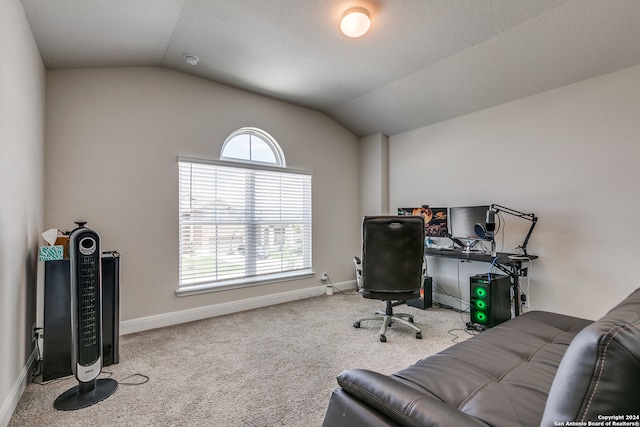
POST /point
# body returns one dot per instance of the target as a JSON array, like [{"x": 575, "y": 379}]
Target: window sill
[{"x": 226, "y": 285}]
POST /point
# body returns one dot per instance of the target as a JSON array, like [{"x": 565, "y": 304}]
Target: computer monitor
[
  {"x": 435, "y": 219},
  {"x": 463, "y": 220}
]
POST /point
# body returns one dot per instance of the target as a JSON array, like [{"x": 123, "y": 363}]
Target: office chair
[{"x": 392, "y": 266}]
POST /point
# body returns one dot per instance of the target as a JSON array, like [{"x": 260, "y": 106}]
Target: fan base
[{"x": 77, "y": 398}]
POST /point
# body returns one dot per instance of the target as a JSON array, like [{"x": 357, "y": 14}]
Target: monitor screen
[
  {"x": 435, "y": 219},
  {"x": 463, "y": 221}
]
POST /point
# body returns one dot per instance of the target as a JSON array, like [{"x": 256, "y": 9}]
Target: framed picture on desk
[{"x": 435, "y": 219}]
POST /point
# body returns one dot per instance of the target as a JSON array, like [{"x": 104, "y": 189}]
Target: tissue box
[{"x": 50, "y": 253}]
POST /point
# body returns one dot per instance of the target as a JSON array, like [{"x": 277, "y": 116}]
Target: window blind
[{"x": 242, "y": 222}]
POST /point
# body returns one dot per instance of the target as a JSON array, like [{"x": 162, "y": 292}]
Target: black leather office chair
[{"x": 391, "y": 266}]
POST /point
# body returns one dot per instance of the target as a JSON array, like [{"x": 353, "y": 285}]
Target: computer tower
[
  {"x": 56, "y": 357},
  {"x": 490, "y": 299}
]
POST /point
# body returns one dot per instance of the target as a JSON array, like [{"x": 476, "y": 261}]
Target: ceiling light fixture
[
  {"x": 355, "y": 22},
  {"x": 191, "y": 59}
]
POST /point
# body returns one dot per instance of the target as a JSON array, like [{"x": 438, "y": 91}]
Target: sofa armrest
[
  {"x": 346, "y": 411},
  {"x": 599, "y": 372},
  {"x": 402, "y": 403}
]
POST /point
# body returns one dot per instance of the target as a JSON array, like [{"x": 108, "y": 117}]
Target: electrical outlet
[
  {"x": 324, "y": 277},
  {"x": 523, "y": 272}
]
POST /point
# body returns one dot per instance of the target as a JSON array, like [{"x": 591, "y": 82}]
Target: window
[
  {"x": 243, "y": 222},
  {"x": 253, "y": 145}
]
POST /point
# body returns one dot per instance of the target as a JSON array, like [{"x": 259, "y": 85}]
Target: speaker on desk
[
  {"x": 490, "y": 299},
  {"x": 426, "y": 295}
]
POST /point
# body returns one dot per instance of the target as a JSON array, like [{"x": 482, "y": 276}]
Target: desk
[{"x": 510, "y": 266}]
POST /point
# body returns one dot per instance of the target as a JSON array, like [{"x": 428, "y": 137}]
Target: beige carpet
[{"x": 274, "y": 366}]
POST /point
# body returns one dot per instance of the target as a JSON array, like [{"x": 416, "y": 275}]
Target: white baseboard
[
  {"x": 183, "y": 316},
  {"x": 9, "y": 405}
]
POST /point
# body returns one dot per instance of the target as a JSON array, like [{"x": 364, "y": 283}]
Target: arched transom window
[{"x": 252, "y": 145}]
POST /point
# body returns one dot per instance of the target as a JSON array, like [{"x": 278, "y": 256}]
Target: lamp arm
[
  {"x": 531, "y": 217},
  {"x": 526, "y": 240},
  {"x": 498, "y": 208}
]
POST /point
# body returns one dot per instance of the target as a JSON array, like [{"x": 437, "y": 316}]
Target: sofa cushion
[
  {"x": 502, "y": 376},
  {"x": 600, "y": 372}
]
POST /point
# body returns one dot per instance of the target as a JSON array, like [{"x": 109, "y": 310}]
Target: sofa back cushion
[{"x": 599, "y": 374}]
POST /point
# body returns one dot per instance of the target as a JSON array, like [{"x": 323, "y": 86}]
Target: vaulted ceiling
[{"x": 423, "y": 61}]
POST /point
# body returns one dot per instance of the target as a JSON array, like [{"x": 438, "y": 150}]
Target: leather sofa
[{"x": 537, "y": 369}]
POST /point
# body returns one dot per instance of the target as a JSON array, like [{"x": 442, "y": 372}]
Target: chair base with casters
[{"x": 388, "y": 317}]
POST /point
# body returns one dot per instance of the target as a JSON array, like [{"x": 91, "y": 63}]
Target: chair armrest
[
  {"x": 358, "y": 264},
  {"x": 402, "y": 403}
]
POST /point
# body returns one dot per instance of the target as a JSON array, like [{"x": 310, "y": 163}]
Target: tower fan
[{"x": 86, "y": 324}]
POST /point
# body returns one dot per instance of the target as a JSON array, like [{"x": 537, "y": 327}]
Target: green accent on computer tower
[{"x": 490, "y": 299}]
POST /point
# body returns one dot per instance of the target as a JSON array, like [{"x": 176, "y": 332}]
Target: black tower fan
[{"x": 86, "y": 327}]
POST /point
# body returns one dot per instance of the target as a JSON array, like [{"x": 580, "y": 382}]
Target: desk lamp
[{"x": 488, "y": 231}]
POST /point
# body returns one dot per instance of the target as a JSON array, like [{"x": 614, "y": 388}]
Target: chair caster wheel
[
  {"x": 383, "y": 338},
  {"x": 418, "y": 335},
  {"x": 356, "y": 325}
]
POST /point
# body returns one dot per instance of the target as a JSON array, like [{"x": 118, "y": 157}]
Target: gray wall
[
  {"x": 571, "y": 156},
  {"x": 113, "y": 137},
  {"x": 22, "y": 90},
  {"x": 374, "y": 175}
]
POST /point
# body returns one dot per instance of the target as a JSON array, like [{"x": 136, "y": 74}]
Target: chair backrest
[{"x": 392, "y": 255}]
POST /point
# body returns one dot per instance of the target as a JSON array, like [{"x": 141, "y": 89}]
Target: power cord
[
  {"x": 37, "y": 372},
  {"x": 440, "y": 290},
  {"x": 492, "y": 268},
  {"x": 144, "y": 379},
  {"x": 336, "y": 288},
  {"x": 103, "y": 374},
  {"x": 524, "y": 295},
  {"x": 468, "y": 331}
]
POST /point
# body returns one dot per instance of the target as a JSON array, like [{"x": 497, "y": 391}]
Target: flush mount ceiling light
[
  {"x": 355, "y": 22},
  {"x": 191, "y": 59}
]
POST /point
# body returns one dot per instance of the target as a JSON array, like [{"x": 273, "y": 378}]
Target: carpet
[{"x": 273, "y": 366}]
